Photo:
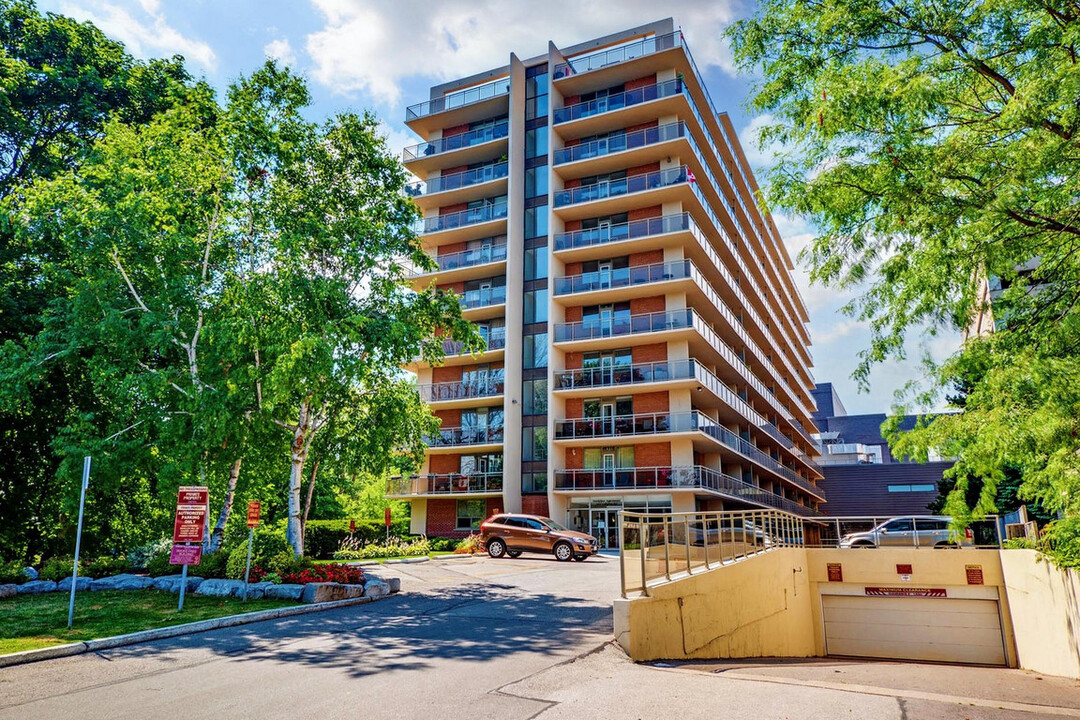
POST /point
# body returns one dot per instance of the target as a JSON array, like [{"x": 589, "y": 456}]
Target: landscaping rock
[
  {"x": 395, "y": 585},
  {"x": 81, "y": 584},
  {"x": 123, "y": 582},
  {"x": 285, "y": 591},
  {"x": 31, "y": 573},
  {"x": 376, "y": 588},
  {"x": 171, "y": 583},
  {"x": 221, "y": 588},
  {"x": 256, "y": 591},
  {"x": 8, "y": 590},
  {"x": 328, "y": 592},
  {"x": 36, "y": 587}
]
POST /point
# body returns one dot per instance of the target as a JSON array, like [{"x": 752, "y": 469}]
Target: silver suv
[{"x": 911, "y": 531}]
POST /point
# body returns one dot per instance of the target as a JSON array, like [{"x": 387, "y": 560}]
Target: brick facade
[
  {"x": 535, "y": 505},
  {"x": 644, "y": 213},
  {"x": 651, "y": 257},
  {"x": 652, "y": 454},
  {"x": 656, "y": 303},
  {"x": 444, "y": 464},
  {"x": 643, "y": 81},
  {"x": 651, "y": 402},
  {"x": 655, "y": 352}
]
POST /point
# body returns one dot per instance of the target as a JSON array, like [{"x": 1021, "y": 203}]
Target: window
[
  {"x": 470, "y": 513},
  {"x": 534, "y": 443},
  {"x": 534, "y": 482},
  {"x": 534, "y": 397},
  {"x": 534, "y": 352},
  {"x": 536, "y": 222},
  {"x": 536, "y": 142},
  {"x": 912, "y": 488},
  {"x": 901, "y": 525},
  {"x": 536, "y": 306},
  {"x": 536, "y": 181},
  {"x": 533, "y": 524},
  {"x": 536, "y": 263},
  {"x": 932, "y": 524}
]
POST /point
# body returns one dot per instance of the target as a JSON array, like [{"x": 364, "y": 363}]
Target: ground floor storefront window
[{"x": 599, "y": 516}]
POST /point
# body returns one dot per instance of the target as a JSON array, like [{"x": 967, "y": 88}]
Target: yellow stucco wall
[
  {"x": 1045, "y": 607},
  {"x": 755, "y": 608}
]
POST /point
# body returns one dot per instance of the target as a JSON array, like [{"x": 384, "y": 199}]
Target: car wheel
[
  {"x": 513, "y": 553},
  {"x": 496, "y": 548},
  {"x": 563, "y": 552},
  {"x": 581, "y": 558}
]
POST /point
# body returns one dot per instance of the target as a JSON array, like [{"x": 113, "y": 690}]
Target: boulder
[
  {"x": 285, "y": 591},
  {"x": 123, "y": 582},
  {"x": 31, "y": 573},
  {"x": 395, "y": 585},
  {"x": 8, "y": 590},
  {"x": 171, "y": 583},
  {"x": 36, "y": 587},
  {"x": 328, "y": 592},
  {"x": 221, "y": 588},
  {"x": 256, "y": 591},
  {"x": 376, "y": 588},
  {"x": 81, "y": 584}
]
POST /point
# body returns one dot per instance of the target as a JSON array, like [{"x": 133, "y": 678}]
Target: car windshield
[{"x": 552, "y": 524}]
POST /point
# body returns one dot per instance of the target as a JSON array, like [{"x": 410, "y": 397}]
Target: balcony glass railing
[
  {"x": 456, "y": 181},
  {"x": 446, "y": 484},
  {"x": 618, "y": 101},
  {"x": 624, "y": 325},
  {"x": 462, "y": 389},
  {"x": 613, "y": 426},
  {"x": 447, "y": 437},
  {"x": 623, "y": 277},
  {"x": 615, "y": 188},
  {"x": 629, "y": 51},
  {"x": 691, "y": 476},
  {"x": 632, "y": 374},
  {"x": 484, "y": 297},
  {"x": 457, "y": 142},
  {"x": 495, "y": 340},
  {"x": 623, "y": 231},
  {"x": 461, "y": 98},
  {"x": 467, "y": 258},
  {"x": 464, "y": 218},
  {"x": 618, "y": 142}
]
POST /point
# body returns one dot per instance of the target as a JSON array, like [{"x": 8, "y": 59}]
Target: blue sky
[{"x": 367, "y": 54}]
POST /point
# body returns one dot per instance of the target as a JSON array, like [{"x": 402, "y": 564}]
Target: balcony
[
  {"x": 449, "y": 484},
  {"x": 620, "y": 150},
  {"x": 459, "y": 107},
  {"x": 483, "y": 144},
  {"x": 617, "y": 376},
  {"x": 694, "y": 477},
  {"x": 648, "y": 234},
  {"x": 596, "y": 328},
  {"x": 456, "y": 437},
  {"x": 465, "y": 186},
  {"x": 613, "y": 196},
  {"x": 465, "y": 265},
  {"x": 631, "y": 107},
  {"x": 455, "y": 353},
  {"x": 622, "y": 278},
  {"x": 484, "y": 303},
  {"x": 450, "y": 393},
  {"x": 467, "y": 224}
]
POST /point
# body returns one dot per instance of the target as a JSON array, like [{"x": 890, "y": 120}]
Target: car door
[
  {"x": 537, "y": 535},
  {"x": 897, "y": 533}
]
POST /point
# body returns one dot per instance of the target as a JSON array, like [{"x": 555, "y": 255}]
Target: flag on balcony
[{"x": 690, "y": 175}]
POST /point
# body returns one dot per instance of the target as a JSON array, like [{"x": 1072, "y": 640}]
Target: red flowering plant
[{"x": 326, "y": 573}]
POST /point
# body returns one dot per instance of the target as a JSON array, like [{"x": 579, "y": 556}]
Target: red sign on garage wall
[
  {"x": 836, "y": 572},
  {"x": 906, "y": 592},
  {"x": 974, "y": 574}
]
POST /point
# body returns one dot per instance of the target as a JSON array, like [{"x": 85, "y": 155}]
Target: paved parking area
[{"x": 508, "y": 639}]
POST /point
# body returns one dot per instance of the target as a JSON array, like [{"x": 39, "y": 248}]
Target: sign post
[
  {"x": 78, "y": 538},
  {"x": 386, "y": 519},
  {"x": 192, "y": 511},
  {"x": 254, "y": 510}
]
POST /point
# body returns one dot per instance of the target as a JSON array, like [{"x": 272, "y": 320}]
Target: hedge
[{"x": 322, "y": 538}]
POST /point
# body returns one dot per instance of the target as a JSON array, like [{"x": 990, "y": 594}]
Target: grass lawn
[
  {"x": 35, "y": 621},
  {"x": 433, "y": 553}
]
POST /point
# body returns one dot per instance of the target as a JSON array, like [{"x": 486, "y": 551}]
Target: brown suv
[{"x": 514, "y": 534}]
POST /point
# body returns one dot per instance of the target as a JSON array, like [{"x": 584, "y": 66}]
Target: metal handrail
[
  {"x": 831, "y": 530},
  {"x": 461, "y": 390},
  {"x": 497, "y": 131},
  {"x": 466, "y": 258},
  {"x": 633, "y": 324},
  {"x": 623, "y": 277},
  {"x": 483, "y": 297},
  {"x": 445, "y": 484},
  {"x": 464, "y": 436},
  {"x": 496, "y": 340},
  {"x": 617, "y": 101},
  {"x": 629, "y": 51},
  {"x": 464, "y": 218},
  {"x": 459, "y": 98},
  {"x": 617, "y": 188},
  {"x": 657, "y": 547},
  {"x": 621, "y": 141}
]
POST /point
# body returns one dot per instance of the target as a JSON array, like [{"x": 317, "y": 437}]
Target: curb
[
  {"x": 462, "y": 556},
  {"x": 407, "y": 561},
  {"x": 59, "y": 651}
]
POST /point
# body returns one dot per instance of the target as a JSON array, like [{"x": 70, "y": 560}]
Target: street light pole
[{"x": 78, "y": 539}]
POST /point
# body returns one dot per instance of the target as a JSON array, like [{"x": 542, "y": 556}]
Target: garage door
[{"x": 936, "y": 629}]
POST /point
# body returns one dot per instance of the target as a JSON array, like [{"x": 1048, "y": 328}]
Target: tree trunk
[
  {"x": 226, "y": 507},
  {"x": 307, "y": 503},
  {"x": 297, "y": 454}
]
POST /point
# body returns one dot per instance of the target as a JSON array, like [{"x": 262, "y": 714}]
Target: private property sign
[
  {"x": 192, "y": 509},
  {"x": 906, "y": 592},
  {"x": 185, "y": 555}
]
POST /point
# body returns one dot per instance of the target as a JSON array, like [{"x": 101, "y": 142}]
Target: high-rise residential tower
[{"x": 646, "y": 344}]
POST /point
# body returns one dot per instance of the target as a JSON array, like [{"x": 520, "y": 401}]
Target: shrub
[
  {"x": 272, "y": 578},
  {"x": 1020, "y": 543},
  {"x": 268, "y": 543},
  {"x": 139, "y": 557},
  {"x": 212, "y": 565},
  {"x": 158, "y": 563},
  {"x": 443, "y": 544},
  {"x": 12, "y": 572},
  {"x": 105, "y": 566},
  {"x": 323, "y": 537},
  {"x": 469, "y": 545},
  {"x": 395, "y": 548},
  {"x": 327, "y": 573},
  {"x": 57, "y": 568}
]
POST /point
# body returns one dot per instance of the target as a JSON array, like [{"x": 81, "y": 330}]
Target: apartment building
[{"x": 646, "y": 345}]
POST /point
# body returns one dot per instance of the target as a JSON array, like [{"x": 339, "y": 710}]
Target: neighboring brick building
[
  {"x": 646, "y": 345},
  {"x": 862, "y": 477}
]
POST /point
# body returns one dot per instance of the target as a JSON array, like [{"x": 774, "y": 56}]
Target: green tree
[{"x": 933, "y": 144}]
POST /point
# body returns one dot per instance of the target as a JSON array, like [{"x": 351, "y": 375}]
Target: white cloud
[
  {"x": 281, "y": 51},
  {"x": 142, "y": 27},
  {"x": 372, "y": 47}
]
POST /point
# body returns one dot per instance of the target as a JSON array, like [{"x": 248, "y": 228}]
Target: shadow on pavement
[{"x": 406, "y": 632}]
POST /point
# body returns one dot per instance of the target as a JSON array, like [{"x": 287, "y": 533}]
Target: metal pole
[
  {"x": 667, "y": 555},
  {"x": 183, "y": 586},
  {"x": 705, "y": 538},
  {"x": 622, "y": 552},
  {"x": 644, "y": 528},
  {"x": 247, "y": 567},
  {"x": 78, "y": 539},
  {"x": 686, "y": 540}
]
